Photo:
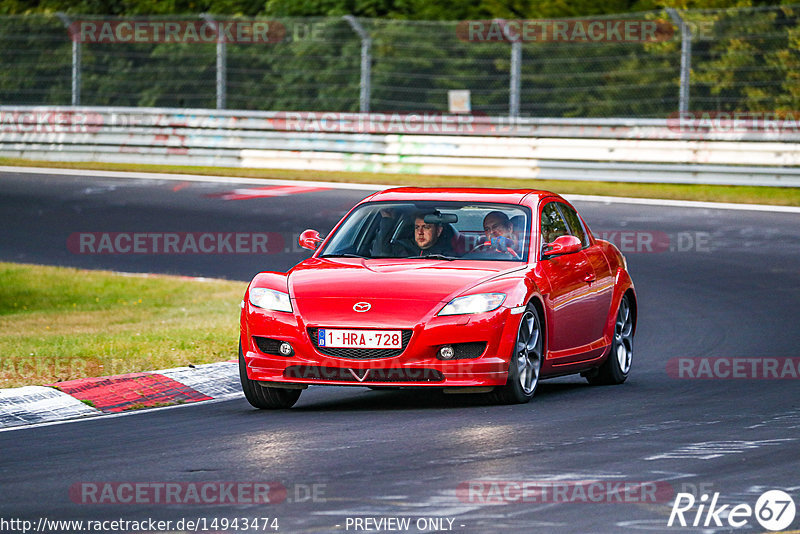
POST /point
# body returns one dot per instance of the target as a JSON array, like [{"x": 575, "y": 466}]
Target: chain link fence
[{"x": 745, "y": 59}]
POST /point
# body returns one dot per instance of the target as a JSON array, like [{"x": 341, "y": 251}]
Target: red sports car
[{"x": 468, "y": 290}]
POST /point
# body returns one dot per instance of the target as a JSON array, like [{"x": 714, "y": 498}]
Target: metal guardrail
[{"x": 623, "y": 150}]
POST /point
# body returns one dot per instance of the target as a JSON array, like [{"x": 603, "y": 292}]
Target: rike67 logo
[{"x": 774, "y": 510}]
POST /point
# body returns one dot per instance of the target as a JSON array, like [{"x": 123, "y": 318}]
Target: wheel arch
[
  {"x": 536, "y": 300},
  {"x": 623, "y": 286},
  {"x": 631, "y": 294}
]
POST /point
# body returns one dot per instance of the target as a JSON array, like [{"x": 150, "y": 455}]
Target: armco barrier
[{"x": 626, "y": 150}]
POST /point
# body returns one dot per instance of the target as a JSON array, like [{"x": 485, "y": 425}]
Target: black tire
[
  {"x": 525, "y": 363},
  {"x": 263, "y": 397},
  {"x": 617, "y": 366}
]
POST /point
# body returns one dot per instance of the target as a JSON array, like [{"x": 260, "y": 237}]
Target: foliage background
[{"x": 745, "y": 57}]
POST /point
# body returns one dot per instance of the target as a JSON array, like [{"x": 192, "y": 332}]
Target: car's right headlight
[
  {"x": 269, "y": 299},
  {"x": 480, "y": 303}
]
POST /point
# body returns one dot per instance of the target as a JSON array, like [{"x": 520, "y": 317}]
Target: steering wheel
[
  {"x": 408, "y": 248},
  {"x": 487, "y": 247}
]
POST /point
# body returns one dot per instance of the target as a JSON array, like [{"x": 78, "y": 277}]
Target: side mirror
[
  {"x": 566, "y": 244},
  {"x": 310, "y": 239}
]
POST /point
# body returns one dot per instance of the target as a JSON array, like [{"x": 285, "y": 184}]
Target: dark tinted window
[
  {"x": 553, "y": 225},
  {"x": 574, "y": 222}
]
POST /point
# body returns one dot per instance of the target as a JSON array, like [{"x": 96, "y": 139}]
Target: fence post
[
  {"x": 222, "y": 65},
  {"x": 76, "y": 60},
  {"x": 516, "y": 79},
  {"x": 366, "y": 63},
  {"x": 686, "y": 59}
]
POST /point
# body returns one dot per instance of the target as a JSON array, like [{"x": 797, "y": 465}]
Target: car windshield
[{"x": 433, "y": 230}]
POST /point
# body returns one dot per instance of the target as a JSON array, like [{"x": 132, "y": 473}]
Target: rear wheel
[
  {"x": 526, "y": 361},
  {"x": 261, "y": 396},
  {"x": 618, "y": 364}
]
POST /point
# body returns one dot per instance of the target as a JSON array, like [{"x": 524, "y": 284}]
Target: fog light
[
  {"x": 447, "y": 352},
  {"x": 286, "y": 349}
]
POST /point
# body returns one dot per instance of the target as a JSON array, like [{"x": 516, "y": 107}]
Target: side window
[
  {"x": 553, "y": 225},
  {"x": 574, "y": 222}
]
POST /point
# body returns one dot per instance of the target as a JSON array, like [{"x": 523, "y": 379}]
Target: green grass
[
  {"x": 779, "y": 196},
  {"x": 60, "y": 323}
]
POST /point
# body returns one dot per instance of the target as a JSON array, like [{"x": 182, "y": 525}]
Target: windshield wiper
[{"x": 437, "y": 257}]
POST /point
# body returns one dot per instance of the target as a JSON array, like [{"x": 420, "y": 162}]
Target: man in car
[
  {"x": 499, "y": 231},
  {"x": 426, "y": 238}
]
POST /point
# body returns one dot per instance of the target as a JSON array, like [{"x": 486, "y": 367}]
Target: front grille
[
  {"x": 467, "y": 351},
  {"x": 268, "y": 345},
  {"x": 342, "y": 374},
  {"x": 360, "y": 354}
]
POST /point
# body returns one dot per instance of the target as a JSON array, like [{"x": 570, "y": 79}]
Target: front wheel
[
  {"x": 263, "y": 397},
  {"x": 618, "y": 364},
  {"x": 526, "y": 361}
]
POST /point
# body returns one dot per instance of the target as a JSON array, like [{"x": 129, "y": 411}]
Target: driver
[{"x": 426, "y": 238}]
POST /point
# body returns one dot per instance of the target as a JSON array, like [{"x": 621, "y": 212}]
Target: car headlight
[
  {"x": 269, "y": 299},
  {"x": 482, "y": 302}
]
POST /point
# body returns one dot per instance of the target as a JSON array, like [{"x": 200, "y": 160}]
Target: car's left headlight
[
  {"x": 269, "y": 299},
  {"x": 480, "y": 303}
]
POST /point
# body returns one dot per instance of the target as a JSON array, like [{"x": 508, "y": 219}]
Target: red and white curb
[
  {"x": 38, "y": 404},
  {"x": 114, "y": 394}
]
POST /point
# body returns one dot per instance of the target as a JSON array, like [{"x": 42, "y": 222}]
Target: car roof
[{"x": 477, "y": 194}]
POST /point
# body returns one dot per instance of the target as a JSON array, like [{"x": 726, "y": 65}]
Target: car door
[
  {"x": 601, "y": 289},
  {"x": 570, "y": 300}
]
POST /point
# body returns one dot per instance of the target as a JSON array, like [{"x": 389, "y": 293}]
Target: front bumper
[{"x": 416, "y": 365}]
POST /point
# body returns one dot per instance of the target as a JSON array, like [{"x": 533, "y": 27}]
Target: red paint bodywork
[{"x": 577, "y": 294}]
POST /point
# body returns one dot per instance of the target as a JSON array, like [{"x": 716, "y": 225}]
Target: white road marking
[
  {"x": 715, "y": 449},
  {"x": 683, "y": 203},
  {"x": 233, "y": 180},
  {"x": 381, "y": 187}
]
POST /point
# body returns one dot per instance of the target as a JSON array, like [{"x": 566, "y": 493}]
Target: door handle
[{"x": 589, "y": 278}]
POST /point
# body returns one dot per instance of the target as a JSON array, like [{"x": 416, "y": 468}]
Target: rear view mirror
[
  {"x": 566, "y": 244},
  {"x": 441, "y": 218},
  {"x": 310, "y": 239}
]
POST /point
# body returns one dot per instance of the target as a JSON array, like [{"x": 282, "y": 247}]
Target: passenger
[{"x": 499, "y": 231}]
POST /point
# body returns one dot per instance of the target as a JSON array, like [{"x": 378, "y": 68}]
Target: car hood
[{"x": 400, "y": 291}]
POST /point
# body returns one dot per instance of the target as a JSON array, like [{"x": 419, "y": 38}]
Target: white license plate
[{"x": 359, "y": 339}]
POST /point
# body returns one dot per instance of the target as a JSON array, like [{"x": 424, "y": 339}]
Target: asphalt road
[{"x": 726, "y": 285}]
